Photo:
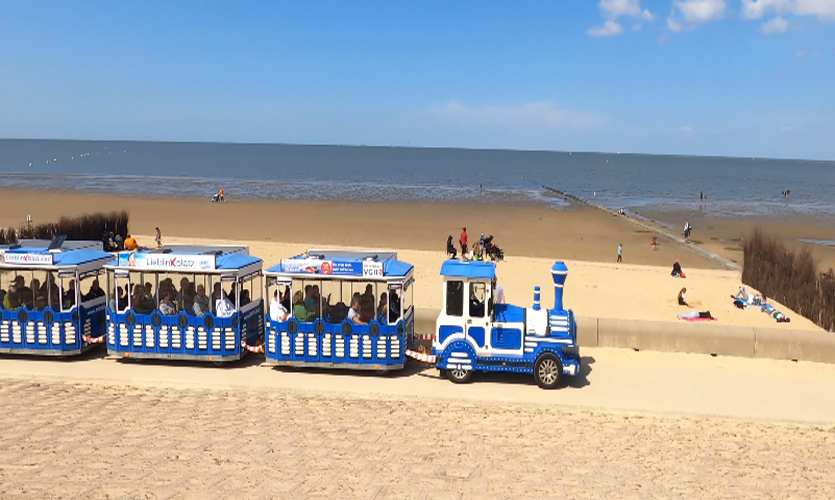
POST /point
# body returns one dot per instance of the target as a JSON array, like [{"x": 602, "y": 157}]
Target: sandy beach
[{"x": 642, "y": 425}]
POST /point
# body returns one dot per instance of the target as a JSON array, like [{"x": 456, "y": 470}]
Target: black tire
[
  {"x": 547, "y": 371},
  {"x": 459, "y": 376}
]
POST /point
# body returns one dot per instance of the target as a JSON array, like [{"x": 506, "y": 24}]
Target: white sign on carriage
[
  {"x": 29, "y": 259},
  {"x": 168, "y": 261}
]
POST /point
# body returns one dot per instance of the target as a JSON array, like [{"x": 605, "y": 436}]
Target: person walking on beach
[
  {"x": 687, "y": 229},
  {"x": 221, "y": 194},
  {"x": 655, "y": 242},
  {"x": 620, "y": 252},
  {"x": 463, "y": 241},
  {"x": 158, "y": 238}
]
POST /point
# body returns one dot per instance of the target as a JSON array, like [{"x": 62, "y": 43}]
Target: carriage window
[
  {"x": 117, "y": 291},
  {"x": 408, "y": 297},
  {"x": 478, "y": 292},
  {"x": 90, "y": 286},
  {"x": 455, "y": 298},
  {"x": 307, "y": 301},
  {"x": 251, "y": 289},
  {"x": 7, "y": 277}
]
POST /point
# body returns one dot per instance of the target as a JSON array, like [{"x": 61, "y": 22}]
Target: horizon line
[{"x": 408, "y": 146}]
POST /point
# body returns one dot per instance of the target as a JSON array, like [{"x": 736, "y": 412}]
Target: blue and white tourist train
[
  {"x": 185, "y": 302},
  {"x": 50, "y": 296},
  {"x": 340, "y": 309},
  {"x": 475, "y": 334}
]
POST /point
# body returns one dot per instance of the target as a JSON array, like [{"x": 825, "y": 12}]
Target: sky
[{"x": 708, "y": 77}]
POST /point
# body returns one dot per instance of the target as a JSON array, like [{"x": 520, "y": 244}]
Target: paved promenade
[{"x": 96, "y": 440}]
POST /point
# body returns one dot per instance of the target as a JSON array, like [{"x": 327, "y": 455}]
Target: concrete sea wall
[{"x": 698, "y": 338}]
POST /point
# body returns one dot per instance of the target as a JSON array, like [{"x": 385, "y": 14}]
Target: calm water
[{"x": 646, "y": 183}]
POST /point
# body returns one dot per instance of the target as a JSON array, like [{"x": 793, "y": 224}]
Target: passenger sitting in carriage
[{"x": 354, "y": 312}]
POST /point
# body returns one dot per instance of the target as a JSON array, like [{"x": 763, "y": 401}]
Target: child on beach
[
  {"x": 655, "y": 242},
  {"x": 158, "y": 238},
  {"x": 620, "y": 252}
]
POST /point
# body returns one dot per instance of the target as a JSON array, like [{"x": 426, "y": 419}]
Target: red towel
[{"x": 699, "y": 319}]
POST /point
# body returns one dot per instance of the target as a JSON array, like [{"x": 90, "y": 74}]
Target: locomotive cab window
[{"x": 455, "y": 298}]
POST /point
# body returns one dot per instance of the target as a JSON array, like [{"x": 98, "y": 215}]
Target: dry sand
[{"x": 603, "y": 290}]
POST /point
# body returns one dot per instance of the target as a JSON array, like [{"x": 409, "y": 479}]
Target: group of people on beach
[
  {"x": 482, "y": 250},
  {"x": 115, "y": 243}
]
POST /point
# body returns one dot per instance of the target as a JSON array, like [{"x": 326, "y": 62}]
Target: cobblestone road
[{"x": 63, "y": 440}]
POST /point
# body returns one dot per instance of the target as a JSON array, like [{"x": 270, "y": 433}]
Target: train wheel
[
  {"x": 459, "y": 376},
  {"x": 547, "y": 371}
]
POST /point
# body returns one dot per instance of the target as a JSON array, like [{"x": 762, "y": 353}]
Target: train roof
[
  {"x": 472, "y": 269},
  {"x": 25, "y": 257},
  {"x": 365, "y": 264}
]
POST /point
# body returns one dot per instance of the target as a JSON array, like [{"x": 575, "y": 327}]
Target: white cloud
[
  {"x": 694, "y": 13},
  {"x": 536, "y": 115},
  {"x": 801, "y": 53},
  {"x": 637, "y": 27},
  {"x": 612, "y": 10},
  {"x": 609, "y": 28},
  {"x": 687, "y": 131},
  {"x": 822, "y": 9},
  {"x": 776, "y": 25}
]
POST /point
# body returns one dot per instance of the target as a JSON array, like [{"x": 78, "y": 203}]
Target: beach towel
[{"x": 696, "y": 316}]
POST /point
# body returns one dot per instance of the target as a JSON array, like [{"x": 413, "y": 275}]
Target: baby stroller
[
  {"x": 450, "y": 249},
  {"x": 216, "y": 198},
  {"x": 492, "y": 250}
]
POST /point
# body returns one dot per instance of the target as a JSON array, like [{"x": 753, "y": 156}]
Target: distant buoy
[
  {"x": 47, "y": 162},
  {"x": 30, "y": 163},
  {"x": 72, "y": 157},
  {"x": 54, "y": 160}
]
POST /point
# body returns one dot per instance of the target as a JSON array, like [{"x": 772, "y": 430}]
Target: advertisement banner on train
[
  {"x": 332, "y": 267},
  {"x": 27, "y": 259},
  {"x": 168, "y": 261}
]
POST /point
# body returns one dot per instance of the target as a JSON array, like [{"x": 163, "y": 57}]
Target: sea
[{"x": 648, "y": 184}]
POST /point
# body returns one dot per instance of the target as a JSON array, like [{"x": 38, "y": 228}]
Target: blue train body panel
[
  {"x": 340, "y": 345},
  {"x": 51, "y": 333},
  {"x": 182, "y": 336}
]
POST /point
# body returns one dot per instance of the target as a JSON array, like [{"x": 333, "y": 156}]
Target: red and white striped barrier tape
[
  {"x": 419, "y": 356},
  {"x": 424, "y": 336},
  {"x": 253, "y": 348},
  {"x": 93, "y": 340}
]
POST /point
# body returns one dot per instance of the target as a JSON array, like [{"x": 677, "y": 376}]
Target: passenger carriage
[
  {"x": 214, "y": 310},
  {"x": 317, "y": 288},
  {"x": 57, "y": 307},
  {"x": 474, "y": 334}
]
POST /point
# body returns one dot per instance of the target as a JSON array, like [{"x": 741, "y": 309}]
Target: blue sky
[{"x": 715, "y": 77}]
